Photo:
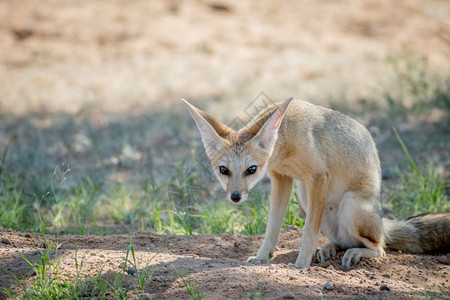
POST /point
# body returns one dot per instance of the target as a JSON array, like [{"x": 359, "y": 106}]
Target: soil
[
  {"x": 70, "y": 56},
  {"x": 217, "y": 264}
]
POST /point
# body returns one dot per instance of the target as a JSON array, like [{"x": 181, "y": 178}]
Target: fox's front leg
[
  {"x": 316, "y": 190},
  {"x": 279, "y": 200}
]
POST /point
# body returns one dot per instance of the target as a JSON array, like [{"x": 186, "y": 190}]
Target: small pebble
[
  {"x": 132, "y": 271},
  {"x": 384, "y": 287},
  {"x": 329, "y": 286},
  {"x": 442, "y": 259},
  {"x": 145, "y": 296},
  {"x": 218, "y": 240},
  {"x": 318, "y": 289},
  {"x": 5, "y": 240},
  {"x": 288, "y": 295}
]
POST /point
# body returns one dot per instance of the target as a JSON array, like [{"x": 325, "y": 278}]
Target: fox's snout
[{"x": 235, "y": 197}]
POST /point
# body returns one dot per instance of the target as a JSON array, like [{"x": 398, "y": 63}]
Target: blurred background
[{"x": 93, "y": 133}]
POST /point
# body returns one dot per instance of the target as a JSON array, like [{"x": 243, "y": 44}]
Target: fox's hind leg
[
  {"x": 362, "y": 221},
  {"x": 302, "y": 197}
]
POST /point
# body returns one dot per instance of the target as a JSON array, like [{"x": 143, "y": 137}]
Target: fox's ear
[
  {"x": 213, "y": 131},
  {"x": 268, "y": 134}
]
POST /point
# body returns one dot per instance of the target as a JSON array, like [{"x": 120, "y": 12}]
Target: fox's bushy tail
[{"x": 423, "y": 233}]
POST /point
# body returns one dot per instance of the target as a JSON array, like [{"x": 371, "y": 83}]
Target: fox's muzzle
[{"x": 235, "y": 197}]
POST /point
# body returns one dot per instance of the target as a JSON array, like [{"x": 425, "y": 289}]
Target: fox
[{"x": 334, "y": 161}]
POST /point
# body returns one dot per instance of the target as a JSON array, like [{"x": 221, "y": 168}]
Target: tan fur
[
  {"x": 335, "y": 162},
  {"x": 419, "y": 234}
]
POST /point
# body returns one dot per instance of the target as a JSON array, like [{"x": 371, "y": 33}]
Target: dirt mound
[{"x": 217, "y": 264}]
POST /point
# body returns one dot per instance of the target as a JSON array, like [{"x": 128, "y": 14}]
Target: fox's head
[{"x": 239, "y": 158}]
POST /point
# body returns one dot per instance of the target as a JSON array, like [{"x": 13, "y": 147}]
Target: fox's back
[{"x": 316, "y": 139}]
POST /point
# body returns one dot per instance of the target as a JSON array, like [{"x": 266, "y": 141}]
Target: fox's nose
[{"x": 235, "y": 197}]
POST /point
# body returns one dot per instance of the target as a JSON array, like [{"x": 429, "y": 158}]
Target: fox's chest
[
  {"x": 297, "y": 160},
  {"x": 291, "y": 169}
]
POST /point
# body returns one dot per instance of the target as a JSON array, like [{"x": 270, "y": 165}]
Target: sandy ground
[
  {"x": 217, "y": 264},
  {"x": 66, "y": 56}
]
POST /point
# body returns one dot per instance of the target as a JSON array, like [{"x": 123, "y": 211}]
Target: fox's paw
[
  {"x": 257, "y": 260},
  {"x": 327, "y": 251},
  {"x": 351, "y": 256},
  {"x": 354, "y": 255},
  {"x": 299, "y": 265},
  {"x": 293, "y": 265}
]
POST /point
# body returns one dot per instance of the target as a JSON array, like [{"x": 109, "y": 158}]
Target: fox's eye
[
  {"x": 223, "y": 170},
  {"x": 251, "y": 170}
]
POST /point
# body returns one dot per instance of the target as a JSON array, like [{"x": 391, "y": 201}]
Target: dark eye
[
  {"x": 251, "y": 170},
  {"x": 223, "y": 170}
]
